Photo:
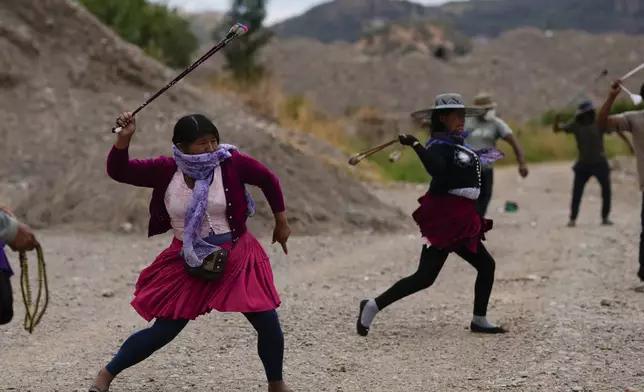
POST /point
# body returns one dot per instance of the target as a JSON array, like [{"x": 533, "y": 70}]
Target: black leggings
[
  {"x": 641, "y": 255},
  {"x": 431, "y": 262},
  {"x": 583, "y": 172},
  {"x": 6, "y": 298},
  {"x": 142, "y": 344}
]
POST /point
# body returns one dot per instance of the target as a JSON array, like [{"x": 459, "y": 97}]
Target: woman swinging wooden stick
[{"x": 447, "y": 215}]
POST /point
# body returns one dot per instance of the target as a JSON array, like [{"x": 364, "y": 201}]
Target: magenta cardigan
[{"x": 156, "y": 173}]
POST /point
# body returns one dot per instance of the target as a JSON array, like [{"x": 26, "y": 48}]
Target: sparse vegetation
[
  {"x": 241, "y": 58},
  {"x": 157, "y": 29}
]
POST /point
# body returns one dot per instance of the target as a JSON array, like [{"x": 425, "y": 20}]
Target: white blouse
[{"x": 177, "y": 198}]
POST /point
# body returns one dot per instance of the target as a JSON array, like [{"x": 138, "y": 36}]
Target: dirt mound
[
  {"x": 63, "y": 79},
  {"x": 526, "y": 70}
]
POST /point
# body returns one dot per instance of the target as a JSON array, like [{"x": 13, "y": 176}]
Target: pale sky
[{"x": 277, "y": 9}]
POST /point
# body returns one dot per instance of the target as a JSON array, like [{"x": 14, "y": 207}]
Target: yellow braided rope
[{"x": 33, "y": 318}]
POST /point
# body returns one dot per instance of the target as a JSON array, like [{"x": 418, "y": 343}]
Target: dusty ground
[{"x": 567, "y": 295}]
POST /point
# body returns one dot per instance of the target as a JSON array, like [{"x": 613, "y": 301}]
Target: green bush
[
  {"x": 241, "y": 58},
  {"x": 408, "y": 168},
  {"x": 160, "y": 31}
]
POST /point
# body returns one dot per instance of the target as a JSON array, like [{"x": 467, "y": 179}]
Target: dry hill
[
  {"x": 64, "y": 77},
  {"x": 432, "y": 38},
  {"x": 348, "y": 20},
  {"x": 525, "y": 69}
]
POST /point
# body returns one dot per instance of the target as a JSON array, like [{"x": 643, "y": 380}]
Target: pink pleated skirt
[{"x": 164, "y": 290}]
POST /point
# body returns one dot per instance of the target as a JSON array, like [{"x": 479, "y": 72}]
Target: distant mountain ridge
[{"x": 350, "y": 20}]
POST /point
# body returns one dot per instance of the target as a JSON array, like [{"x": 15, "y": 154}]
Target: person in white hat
[
  {"x": 633, "y": 122},
  {"x": 447, "y": 216},
  {"x": 484, "y": 131}
]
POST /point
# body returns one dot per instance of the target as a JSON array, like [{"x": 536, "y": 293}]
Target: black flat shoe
[
  {"x": 362, "y": 330},
  {"x": 478, "y": 329}
]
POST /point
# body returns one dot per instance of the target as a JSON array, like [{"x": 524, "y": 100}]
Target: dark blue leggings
[{"x": 139, "y": 346}]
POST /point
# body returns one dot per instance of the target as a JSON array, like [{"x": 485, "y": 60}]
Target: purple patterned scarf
[
  {"x": 201, "y": 168},
  {"x": 486, "y": 155}
]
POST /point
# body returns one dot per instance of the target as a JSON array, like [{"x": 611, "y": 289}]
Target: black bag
[{"x": 212, "y": 267}]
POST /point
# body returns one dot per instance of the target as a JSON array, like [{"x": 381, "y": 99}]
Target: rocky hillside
[
  {"x": 493, "y": 17},
  {"x": 526, "y": 70},
  {"x": 349, "y": 20},
  {"x": 64, "y": 78},
  {"x": 430, "y": 38}
]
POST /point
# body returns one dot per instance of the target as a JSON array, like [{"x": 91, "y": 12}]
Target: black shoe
[
  {"x": 362, "y": 330},
  {"x": 571, "y": 223},
  {"x": 478, "y": 329},
  {"x": 607, "y": 222},
  {"x": 640, "y": 273}
]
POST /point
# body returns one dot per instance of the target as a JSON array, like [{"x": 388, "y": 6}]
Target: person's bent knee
[{"x": 488, "y": 267}]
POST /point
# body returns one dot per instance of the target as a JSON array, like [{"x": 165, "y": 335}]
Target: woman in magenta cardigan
[{"x": 213, "y": 262}]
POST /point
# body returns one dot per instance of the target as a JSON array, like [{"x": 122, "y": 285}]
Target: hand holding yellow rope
[{"x": 33, "y": 318}]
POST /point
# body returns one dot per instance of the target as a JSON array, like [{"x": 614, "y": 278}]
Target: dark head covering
[{"x": 192, "y": 127}]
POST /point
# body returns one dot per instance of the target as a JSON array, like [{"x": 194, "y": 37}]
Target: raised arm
[
  {"x": 433, "y": 162},
  {"x": 137, "y": 172},
  {"x": 607, "y": 122}
]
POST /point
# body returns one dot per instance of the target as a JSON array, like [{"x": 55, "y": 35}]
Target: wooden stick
[
  {"x": 632, "y": 72},
  {"x": 354, "y": 160}
]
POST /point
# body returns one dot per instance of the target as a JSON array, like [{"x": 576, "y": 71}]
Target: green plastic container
[{"x": 511, "y": 206}]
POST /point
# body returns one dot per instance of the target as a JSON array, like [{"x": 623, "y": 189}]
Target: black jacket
[{"x": 452, "y": 166}]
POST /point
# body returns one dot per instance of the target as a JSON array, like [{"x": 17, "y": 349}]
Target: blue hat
[{"x": 585, "y": 106}]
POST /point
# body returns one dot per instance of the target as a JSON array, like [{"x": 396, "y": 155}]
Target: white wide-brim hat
[{"x": 448, "y": 101}]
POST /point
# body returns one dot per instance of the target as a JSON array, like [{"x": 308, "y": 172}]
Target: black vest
[{"x": 462, "y": 168}]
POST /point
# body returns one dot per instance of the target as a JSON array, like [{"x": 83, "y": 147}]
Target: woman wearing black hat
[{"x": 447, "y": 215}]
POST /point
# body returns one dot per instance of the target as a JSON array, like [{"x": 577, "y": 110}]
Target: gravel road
[{"x": 566, "y": 294}]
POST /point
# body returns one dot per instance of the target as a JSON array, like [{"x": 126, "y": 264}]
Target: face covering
[{"x": 490, "y": 114}]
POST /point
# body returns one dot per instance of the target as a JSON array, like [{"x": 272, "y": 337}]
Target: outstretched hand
[{"x": 407, "y": 140}]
